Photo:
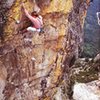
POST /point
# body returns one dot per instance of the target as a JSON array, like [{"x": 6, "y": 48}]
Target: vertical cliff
[{"x": 38, "y": 69}]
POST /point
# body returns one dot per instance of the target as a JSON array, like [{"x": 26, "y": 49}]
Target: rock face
[
  {"x": 89, "y": 91},
  {"x": 37, "y": 65},
  {"x": 85, "y": 70},
  {"x": 92, "y": 30},
  {"x": 85, "y": 78}
]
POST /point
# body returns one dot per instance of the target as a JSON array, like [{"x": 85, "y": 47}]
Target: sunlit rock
[{"x": 89, "y": 91}]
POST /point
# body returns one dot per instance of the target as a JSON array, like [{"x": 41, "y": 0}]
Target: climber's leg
[
  {"x": 23, "y": 31},
  {"x": 38, "y": 30},
  {"x": 31, "y": 29}
]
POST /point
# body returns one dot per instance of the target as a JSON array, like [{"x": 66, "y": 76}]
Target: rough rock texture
[
  {"x": 85, "y": 79},
  {"x": 89, "y": 91},
  {"x": 38, "y": 69},
  {"x": 85, "y": 70}
]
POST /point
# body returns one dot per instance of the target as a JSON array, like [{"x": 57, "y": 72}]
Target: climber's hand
[{"x": 23, "y": 7}]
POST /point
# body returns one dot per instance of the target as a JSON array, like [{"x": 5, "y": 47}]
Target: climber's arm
[
  {"x": 33, "y": 20},
  {"x": 29, "y": 16}
]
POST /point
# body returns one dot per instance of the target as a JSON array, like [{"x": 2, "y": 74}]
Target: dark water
[{"x": 92, "y": 30}]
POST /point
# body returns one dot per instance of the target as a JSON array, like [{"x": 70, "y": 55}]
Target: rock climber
[{"x": 35, "y": 19}]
